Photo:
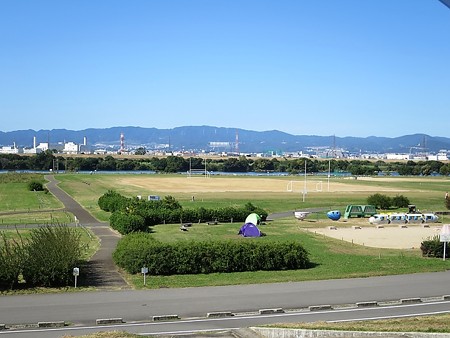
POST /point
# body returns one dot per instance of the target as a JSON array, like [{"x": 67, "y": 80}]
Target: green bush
[
  {"x": 380, "y": 201},
  {"x": 126, "y": 223},
  {"x": 400, "y": 201},
  {"x": 112, "y": 201},
  {"x": 50, "y": 256},
  {"x": 137, "y": 250},
  {"x": 434, "y": 248},
  {"x": 11, "y": 261},
  {"x": 35, "y": 186}
]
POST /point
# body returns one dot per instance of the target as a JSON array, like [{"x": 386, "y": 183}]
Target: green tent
[{"x": 253, "y": 218}]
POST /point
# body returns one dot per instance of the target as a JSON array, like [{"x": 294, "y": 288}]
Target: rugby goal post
[
  {"x": 198, "y": 173},
  {"x": 316, "y": 186}
]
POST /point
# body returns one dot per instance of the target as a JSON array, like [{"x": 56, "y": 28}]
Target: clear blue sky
[{"x": 305, "y": 67}]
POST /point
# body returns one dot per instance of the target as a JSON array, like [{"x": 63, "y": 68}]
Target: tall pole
[
  {"x": 304, "y": 187},
  {"x": 329, "y": 170}
]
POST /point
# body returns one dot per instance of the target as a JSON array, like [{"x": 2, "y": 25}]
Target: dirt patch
[
  {"x": 240, "y": 184},
  {"x": 393, "y": 237}
]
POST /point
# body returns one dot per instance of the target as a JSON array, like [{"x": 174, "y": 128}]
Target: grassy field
[
  {"x": 331, "y": 258},
  {"x": 16, "y": 197},
  {"x": 269, "y": 193}
]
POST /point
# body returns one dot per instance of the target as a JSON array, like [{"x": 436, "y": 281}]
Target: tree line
[{"x": 172, "y": 164}]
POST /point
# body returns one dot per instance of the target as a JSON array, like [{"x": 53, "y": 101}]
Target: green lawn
[
  {"x": 17, "y": 197},
  {"x": 331, "y": 258}
]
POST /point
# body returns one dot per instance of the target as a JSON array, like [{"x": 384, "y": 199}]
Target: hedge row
[
  {"x": 134, "y": 215},
  {"x": 135, "y": 251}
]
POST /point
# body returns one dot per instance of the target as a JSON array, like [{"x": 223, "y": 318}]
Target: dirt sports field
[{"x": 236, "y": 184}]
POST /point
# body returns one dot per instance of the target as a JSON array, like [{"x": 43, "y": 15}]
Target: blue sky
[{"x": 305, "y": 67}]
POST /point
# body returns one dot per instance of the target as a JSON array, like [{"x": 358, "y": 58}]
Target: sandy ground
[{"x": 390, "y": 236}]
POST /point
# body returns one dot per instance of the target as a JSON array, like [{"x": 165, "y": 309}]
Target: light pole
[{"x": 329, "y": 169}]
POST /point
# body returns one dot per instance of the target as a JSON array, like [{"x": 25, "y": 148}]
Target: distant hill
[{"x": 199, "y": 137}]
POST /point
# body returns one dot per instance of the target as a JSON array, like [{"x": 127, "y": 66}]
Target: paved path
[{"x": 100, "y": 271}]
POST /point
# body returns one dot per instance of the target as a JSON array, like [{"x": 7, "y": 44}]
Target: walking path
[{"x": 100, "y": 271}]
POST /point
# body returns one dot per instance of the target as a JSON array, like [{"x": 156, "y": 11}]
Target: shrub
[
  {"x": 126, "y": 223},
  {"x": 11, "y": 261},
  {"x": 400, "y": 201},
  {"x": 380, "y": 201},
  {"x": 112, "y": 201},
  {"x": 50, "y": 255},
  {"x": 35, "y": 186},
  {"x": 433, "y": 247},
  {"x": 137, "y": 250}
]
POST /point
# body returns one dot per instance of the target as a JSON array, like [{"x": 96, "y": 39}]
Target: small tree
[
  {"x": 400, "y": 201},
  {"x": 380, "y": 201}
]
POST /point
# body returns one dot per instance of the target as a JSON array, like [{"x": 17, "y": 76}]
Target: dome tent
[
  {"x": 249, "y": 230},
  {"x": 253, "y": 218}
]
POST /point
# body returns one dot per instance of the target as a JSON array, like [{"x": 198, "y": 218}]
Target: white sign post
[
  {"x": 144, "y": 271},
  {"x": 445, "y": 237},
  {"x": 76, "y": 273}
]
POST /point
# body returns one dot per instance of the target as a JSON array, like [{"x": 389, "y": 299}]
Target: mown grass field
[{"x": 331, "y": 258}]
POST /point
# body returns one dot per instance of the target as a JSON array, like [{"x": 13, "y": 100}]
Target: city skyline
[{"x": 347, "y": 68}]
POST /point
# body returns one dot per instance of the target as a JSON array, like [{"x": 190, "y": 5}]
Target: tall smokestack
[
  {"x": 85, "y": 141},
  {"x": 34, "y": 142}
]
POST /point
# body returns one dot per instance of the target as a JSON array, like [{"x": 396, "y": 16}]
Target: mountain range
[{"x": 228, "y": 139}]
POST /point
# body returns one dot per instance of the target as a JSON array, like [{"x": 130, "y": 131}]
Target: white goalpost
[
  {"x": 197, "y": 172},
  {"x": 299, "y": 186}
]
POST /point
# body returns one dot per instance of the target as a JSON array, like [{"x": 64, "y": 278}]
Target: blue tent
[{"x": 249, "y": 230}]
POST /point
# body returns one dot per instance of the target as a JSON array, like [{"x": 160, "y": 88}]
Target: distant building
[
  {"x": 399, "y": 157},
  {"x": 10, "y": 150},
  {"x": 71, "y": 148}
]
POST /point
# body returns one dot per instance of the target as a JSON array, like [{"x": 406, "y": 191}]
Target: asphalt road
[{"x": 140, "y": 305}]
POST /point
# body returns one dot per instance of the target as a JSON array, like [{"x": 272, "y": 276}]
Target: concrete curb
[
  {"x": 51, "y": 324},
  {"x": 410, "y": 300},
  {"x": 109, "y": 321},
  {"x": 218, "y": 314},
  {"x": 367, "y": 304},
  {"x": 320, "y": 307},
  {"x": 270, "y": 311},
  {"x": 165, "y": 317}
]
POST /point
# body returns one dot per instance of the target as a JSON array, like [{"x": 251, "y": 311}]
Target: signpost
[
  {"x": 144, "y": 271},
  {"x": 76, "y": 273},
  {"x": 445, "y": 237}
]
